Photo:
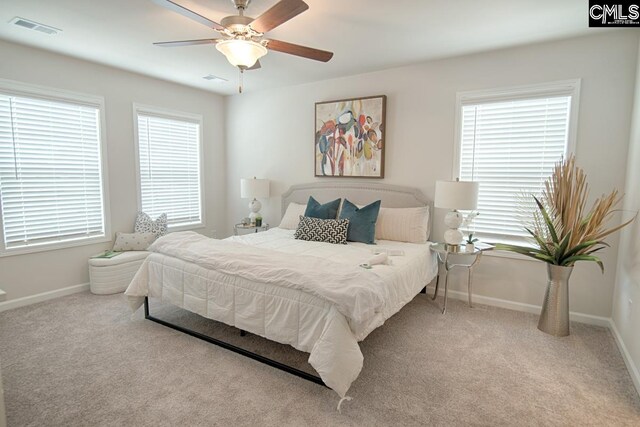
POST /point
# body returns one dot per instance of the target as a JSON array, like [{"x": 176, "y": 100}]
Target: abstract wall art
[{"x": 349, "y": 137}]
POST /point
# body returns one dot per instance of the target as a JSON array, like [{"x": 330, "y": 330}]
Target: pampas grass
[{"x": 562, "y": 230}]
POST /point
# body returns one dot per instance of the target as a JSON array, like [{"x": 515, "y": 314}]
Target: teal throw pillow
[
  {"x": 362, "y": 221},
  {"x": 326, "y": 211}
]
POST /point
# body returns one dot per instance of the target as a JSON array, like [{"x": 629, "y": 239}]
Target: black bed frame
[{"x": 255, "y": 356}]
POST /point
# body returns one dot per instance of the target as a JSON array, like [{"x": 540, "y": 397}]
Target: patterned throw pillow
[
  {"x": 322, "y": 230},
  {"x": 133, "y": 241},
  {"x": 144, "y": 224}
]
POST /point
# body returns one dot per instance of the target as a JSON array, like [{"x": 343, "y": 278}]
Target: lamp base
[
  {"x": 255, "y": 207},
  {"x": 453, "y": 236},
  {"x": 452, "y": 248}
]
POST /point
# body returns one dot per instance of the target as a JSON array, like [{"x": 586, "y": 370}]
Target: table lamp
[
  {"x": 253, "y": 188},
  {"x": 455, "y": 195}
]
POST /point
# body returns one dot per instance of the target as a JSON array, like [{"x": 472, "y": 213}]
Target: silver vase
[{"x": 554, "y": 318}]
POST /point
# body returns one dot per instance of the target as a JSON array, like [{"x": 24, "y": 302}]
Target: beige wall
[
  {"x": 626, "y": 301},
  {"x": 270, "y": 135},
  {"x": 24, "y": 275}
]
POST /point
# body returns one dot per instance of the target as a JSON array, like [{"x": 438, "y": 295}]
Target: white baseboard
[
  {"x": 32, "y": 299},
  {"x": 631, "y": 367},
  {"x": 528, "y": 308}
]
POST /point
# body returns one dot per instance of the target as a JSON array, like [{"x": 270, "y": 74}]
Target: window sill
[
  {"x": 508, "y": 254},
  {"x": 511, "y": 255},
  {"x": 186, "y": 227},
  {"x": 46, "y": 247}
]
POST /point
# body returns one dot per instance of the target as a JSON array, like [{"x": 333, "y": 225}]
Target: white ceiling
[{"x": 365, "y": 35}]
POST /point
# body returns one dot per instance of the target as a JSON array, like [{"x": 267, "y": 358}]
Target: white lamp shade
[
  {"x": 252, "y": 188},
  {"x": 242, "y": 53},
  {"x": 456, "y": 195}
]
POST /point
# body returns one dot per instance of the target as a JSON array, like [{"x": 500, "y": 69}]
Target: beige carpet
[{"x": 82, "y": 360}]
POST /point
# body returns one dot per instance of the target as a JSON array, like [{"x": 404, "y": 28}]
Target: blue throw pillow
[
  {"x": 326, "y": 211},
  {"x": 362, "y": 221}
]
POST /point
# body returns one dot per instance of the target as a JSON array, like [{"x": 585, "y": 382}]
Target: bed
[{"x": 313, "y": 296}]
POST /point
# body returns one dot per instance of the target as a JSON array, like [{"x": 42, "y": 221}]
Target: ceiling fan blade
[
  {"x": 171, "y": 5},
  {"x": 296, "y": 49},
  {"x": 280, "y": 13},
  {"x": 186, "y": 42},
  {"x": 255, "y": 66}
]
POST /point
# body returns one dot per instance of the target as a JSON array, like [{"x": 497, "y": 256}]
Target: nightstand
[
  {"x": 470, "y": 258},
  {"x": 240, "y": 229}
]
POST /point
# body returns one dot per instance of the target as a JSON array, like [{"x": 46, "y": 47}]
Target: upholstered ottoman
[{"x": 113, "y": 275}]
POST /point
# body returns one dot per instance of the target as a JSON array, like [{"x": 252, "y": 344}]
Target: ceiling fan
[{"x": 243, "y": 41}]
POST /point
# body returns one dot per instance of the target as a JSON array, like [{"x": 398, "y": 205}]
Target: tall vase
[{"x": 554, "y": 318}]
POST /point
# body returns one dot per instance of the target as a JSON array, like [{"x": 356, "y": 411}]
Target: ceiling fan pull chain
[{"x": 240, "y": 80}]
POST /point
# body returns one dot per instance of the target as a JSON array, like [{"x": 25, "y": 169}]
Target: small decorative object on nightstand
[
  {"x": 255, "y": 189},
  {"x": 444, "y": 253},
  {"x": 469, "y": 244},
  {"x": 240, "y": 229},
  {"x": 455, "y": 195}
]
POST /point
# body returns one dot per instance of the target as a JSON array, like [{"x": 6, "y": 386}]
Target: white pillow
[
  {"x": 403, "y": 224},
  {"x": 291, "y": 217},
  {"x": 133, "y": 241}
]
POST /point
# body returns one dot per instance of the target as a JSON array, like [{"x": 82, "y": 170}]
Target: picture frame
[{"x": 349, "y": 137}]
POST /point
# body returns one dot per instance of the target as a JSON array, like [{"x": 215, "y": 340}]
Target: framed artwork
[{"x": 349, "y": 137}]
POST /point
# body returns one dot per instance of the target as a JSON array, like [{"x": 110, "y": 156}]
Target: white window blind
[
  {"x": 510, "y": 147},
  {"x": 50, "y": 171},
  {"x": 169, "y": 162}
]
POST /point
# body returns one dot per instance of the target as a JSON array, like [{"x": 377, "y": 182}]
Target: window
[
  {"x": 51, "y": 177},
  {"x": 169, "y": 150},
  {"x": 509, "y": 141}
]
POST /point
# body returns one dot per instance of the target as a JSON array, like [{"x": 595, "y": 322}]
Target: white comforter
[{"x": 313, "y": 296}]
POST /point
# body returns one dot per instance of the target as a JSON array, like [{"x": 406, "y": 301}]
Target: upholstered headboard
[{"x": 361, "y": 193}]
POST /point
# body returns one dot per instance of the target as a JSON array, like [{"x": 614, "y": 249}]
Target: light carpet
[{"x": 83, "y": 360}]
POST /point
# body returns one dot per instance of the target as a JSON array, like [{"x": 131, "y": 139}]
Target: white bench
[{"x": 113, "y": 275}]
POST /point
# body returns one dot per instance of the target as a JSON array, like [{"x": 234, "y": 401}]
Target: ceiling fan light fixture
[{"x": 241, "y": 53}]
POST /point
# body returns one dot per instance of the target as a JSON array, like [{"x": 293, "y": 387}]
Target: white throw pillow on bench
[{"x": 133, "y": 241}]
